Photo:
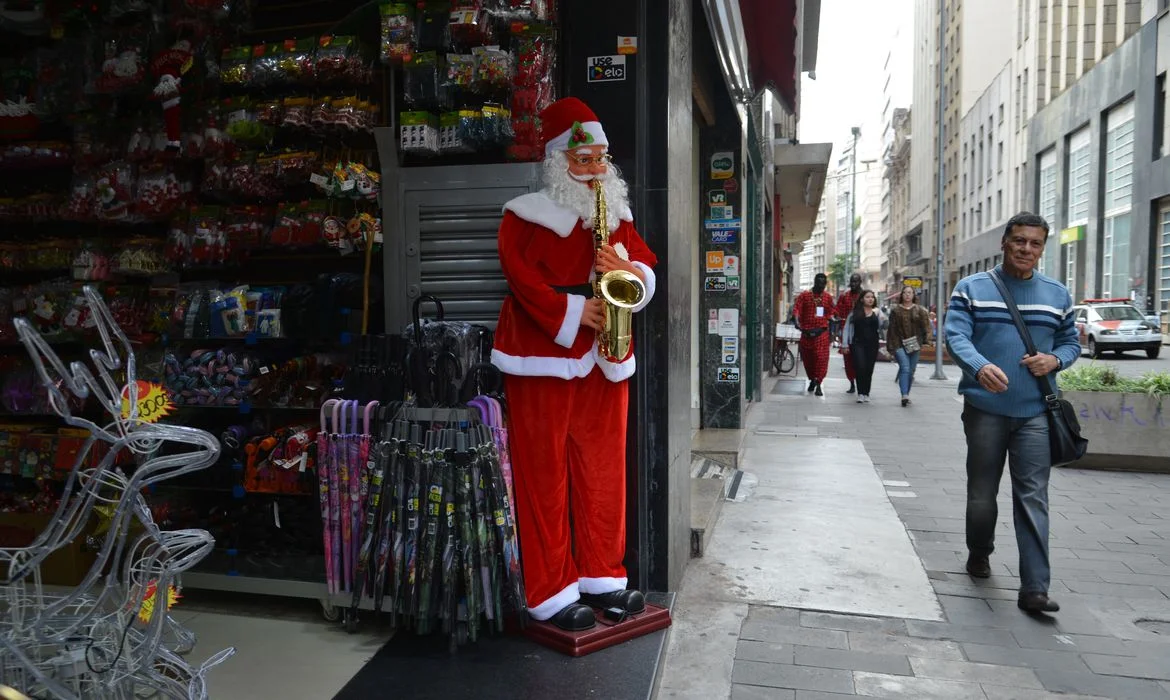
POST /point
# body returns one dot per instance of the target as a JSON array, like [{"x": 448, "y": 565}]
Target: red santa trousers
[
  {"x": 814, "y": 353},
  {"x": 568, "y": 444}
]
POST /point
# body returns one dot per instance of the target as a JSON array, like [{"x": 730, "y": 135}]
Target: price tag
[{"x": 319, "y": 180}]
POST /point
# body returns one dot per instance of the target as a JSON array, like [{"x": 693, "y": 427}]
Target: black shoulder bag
[{"x": 1064, "y": 430}]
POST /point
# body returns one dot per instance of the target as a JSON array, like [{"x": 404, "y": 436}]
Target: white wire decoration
[{"x": 89, "y": 643}]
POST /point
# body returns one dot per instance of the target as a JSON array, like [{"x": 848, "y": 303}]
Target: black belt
[{"x": 585, "y": 290}]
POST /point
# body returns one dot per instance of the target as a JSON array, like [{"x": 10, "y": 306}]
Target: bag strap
[{"x": 1046, "y": 386}]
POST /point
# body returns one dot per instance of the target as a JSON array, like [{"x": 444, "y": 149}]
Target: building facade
[
  {"x": 1103, "y": 173},
  {"x": 896, "y": 162}
]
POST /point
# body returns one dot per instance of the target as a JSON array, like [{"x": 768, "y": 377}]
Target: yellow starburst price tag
[
  {"x": 154, "y": 403},
  {"x": 146, "y": 612}
]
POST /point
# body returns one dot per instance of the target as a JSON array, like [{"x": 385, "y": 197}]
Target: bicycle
[{"x": 783, "y": 359}]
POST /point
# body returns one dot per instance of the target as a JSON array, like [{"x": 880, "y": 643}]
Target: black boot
[
  {"x": 574, "y": 617},
  {"x": 819, "y": 392},
  {"x": 852, "y": 388},
  {"x": 812, "y": 384},
  {"x": 630, "y": 601}
]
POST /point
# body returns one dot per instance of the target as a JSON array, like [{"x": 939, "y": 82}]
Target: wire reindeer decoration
[{"x": 88, "y": 643}]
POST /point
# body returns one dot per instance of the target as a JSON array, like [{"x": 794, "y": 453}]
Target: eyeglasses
[{"x": 603, "y": 159}]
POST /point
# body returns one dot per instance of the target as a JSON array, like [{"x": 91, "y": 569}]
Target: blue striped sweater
[{"x": 979, "y": 330}]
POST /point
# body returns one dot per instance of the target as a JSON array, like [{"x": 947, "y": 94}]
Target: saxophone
[{"x": 620, "y": 290}]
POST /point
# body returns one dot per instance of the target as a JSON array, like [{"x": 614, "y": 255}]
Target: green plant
[
  {"x": 837, "y": 270},
  {"x": 1104, "y": 377}
]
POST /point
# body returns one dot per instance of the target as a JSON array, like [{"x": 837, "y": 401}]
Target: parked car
[{"x": 1117, "y": 325}]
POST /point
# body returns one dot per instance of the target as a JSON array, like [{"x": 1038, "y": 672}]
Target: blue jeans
[
  {"x": 1024, "y": 443},
  {"x": 907, "y": 363}
]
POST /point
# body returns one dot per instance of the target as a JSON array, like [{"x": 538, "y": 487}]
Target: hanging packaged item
[
  {"x": 469, "y": 26},
  {"x": 494, "y": 68},
  {"x": 339, "y": 62},
  {"x": 434, "y": 18},
  {"x": 159, "y": 193},
  {"x": 115, "y": 190},
  {"x": 123, "y": 63},
  {"x": 418, "y": 133},
  {"x": 233, "y": 66},
  {"x": 423, "y": 82},
  {"x": 398, "y": 32}
]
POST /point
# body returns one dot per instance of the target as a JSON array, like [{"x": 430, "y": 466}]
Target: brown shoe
[
  {"x": 978, "y": 566},
  {"x": 1037, "y": 603}
]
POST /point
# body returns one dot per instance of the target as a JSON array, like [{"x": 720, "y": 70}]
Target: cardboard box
[{"x": 64, "y": 567}]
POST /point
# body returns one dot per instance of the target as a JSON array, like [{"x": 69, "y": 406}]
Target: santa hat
[{"x": 569, "y": 124}]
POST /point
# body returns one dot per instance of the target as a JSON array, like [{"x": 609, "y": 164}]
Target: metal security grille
[
  {"x": 457, "y": 257},
  {"x": 449, "y": 219}
]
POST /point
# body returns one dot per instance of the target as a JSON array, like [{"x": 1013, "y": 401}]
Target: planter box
[{"x": 1125, "y": 431}]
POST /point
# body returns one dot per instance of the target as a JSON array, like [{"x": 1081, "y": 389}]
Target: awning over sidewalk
[{"x": 800, "y": 182}]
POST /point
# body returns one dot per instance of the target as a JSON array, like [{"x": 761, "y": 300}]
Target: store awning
[
  {"x": 800, "y": 181},
  {"x": 770, "y": 27}
]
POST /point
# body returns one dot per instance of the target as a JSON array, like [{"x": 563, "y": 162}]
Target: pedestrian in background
[
  {"x": 814, "y": 308},
  {"x": 1004, "y": 410},
  {"x": 907, "y": 335},
  {"x": 860, "y": 340},
  {"x": 845, "y": 304}
]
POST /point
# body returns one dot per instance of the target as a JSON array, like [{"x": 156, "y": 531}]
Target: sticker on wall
[
  {"x": 728, "y": 375},
  {"x": 713, "y": 326},
  {"x": 730, "y": 350},
  {"x": 733, "y": 284},
  {"x": 731, "y": 185},
  {"x": 606, "y": 69},
  {"x": 731, "y": 265},
  {"x": 722, "y": 213},
  {"x": 717, "y": 198},
  {"x": 722, "y": 165},
  {"x": 627, "y": 45},
  {"x": 715, "y": 261},
  {"x": 715, "y": 284},
  {"x": 725, "y": 236},
  {"x": 729, "y": 322},
  {"x": 729, "y": 223},
  {"x": 712, "y": 314}
]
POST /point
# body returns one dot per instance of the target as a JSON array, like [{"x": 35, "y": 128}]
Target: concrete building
[
  {"x": 1056, "y": 42},
  {"x": 896, "y": 162},
  {"x": 1104, "y": 175},
  {"x": 869, "y": 234},
  {"x": 897, "y": 93}
]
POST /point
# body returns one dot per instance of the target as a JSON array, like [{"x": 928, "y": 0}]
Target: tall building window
[
  {"x": 1116, "y": 241},
  {"x": 1077, "y": 214},
  {"x": 1164, "y": 267},
  {"x": 999, "y": 156},
  {"x": 1046, "y": 200}
]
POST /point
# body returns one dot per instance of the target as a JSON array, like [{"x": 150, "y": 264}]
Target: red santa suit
[
  {"x": 566, "y": 405},
  {"x": 845, "y": 307}
]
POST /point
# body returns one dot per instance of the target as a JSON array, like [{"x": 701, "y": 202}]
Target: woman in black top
[{"x": 861, "y": 340}]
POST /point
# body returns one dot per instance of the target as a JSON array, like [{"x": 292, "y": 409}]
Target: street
[
  {"x": 784, "y": 605},
  {"x": 1133, "y": 364}
]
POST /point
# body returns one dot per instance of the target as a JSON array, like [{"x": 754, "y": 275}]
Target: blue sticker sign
[
  {"x": 722, "y": 223},
  {"x": 725, "y": 235}
]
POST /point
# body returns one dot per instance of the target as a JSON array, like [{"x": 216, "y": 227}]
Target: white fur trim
[
  {"x": 566, "y": 597},
  {"x": 651, "y": 282},
  {"x": 605, "y": 584},
  {"x": 615, "y": 371},
  {"x": 532, "y": 366},
  {"x": 572, "y": 323},
  {"x": 538, "y": 208},
  {"x": 561, "y": 141}
]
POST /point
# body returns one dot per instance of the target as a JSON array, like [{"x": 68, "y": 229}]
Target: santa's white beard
[{"x": 577, "y": 195}]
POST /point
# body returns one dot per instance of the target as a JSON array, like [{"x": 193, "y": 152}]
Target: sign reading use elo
[{"x": 606, "y": 69}]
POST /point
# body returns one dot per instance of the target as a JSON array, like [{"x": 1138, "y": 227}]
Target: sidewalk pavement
[{"x": 1110, "y": 551}]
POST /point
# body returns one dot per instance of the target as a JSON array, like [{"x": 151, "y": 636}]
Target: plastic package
[
  {"x": 398, "y": 32},
  {"x": 418, "y": 133},
  {"x": 493, "y": 68},
  {"x": 115, "y": 190},
  {"x": 338, "y": 61},
  {"x": 234, "y": 65},
  {"x": 123, "y": 64},
  {"x": 422, "y": 82},
  {"x": 140, "y": 256},
  {"x": 159, "y": 193},
  {"x": 431, "y": 29}
]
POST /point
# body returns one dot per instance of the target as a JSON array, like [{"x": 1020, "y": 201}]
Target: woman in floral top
[{"x": 908, "y": 333}]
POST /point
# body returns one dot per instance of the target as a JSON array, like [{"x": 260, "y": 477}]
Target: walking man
[
  {"x": 813, "y": 308},
  {"x": 845, "y": 304},
  {"x": 1004, "y": 409}
]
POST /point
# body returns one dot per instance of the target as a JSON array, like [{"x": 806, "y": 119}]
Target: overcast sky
[{"x": 855, "y": 36}]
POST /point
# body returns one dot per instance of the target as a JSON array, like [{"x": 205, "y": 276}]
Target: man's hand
[
  {"x": 992, "y": 378},
  {"x": 608, "y": 260},
  {"x": 1040, "y": 364},
  {"x": 593, "y": 316}
]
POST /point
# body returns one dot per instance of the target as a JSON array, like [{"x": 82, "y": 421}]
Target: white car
[{"x": 1117, "y": 325}]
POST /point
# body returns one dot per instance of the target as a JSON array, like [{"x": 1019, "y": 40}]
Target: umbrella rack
[{"x": 418, "y": 517}]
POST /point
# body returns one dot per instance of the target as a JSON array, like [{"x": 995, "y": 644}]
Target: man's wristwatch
[{"x": 1059, "y": 364}]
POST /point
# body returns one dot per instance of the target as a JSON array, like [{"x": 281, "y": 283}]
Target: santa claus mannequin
[{"x": 566, "y": 402}]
